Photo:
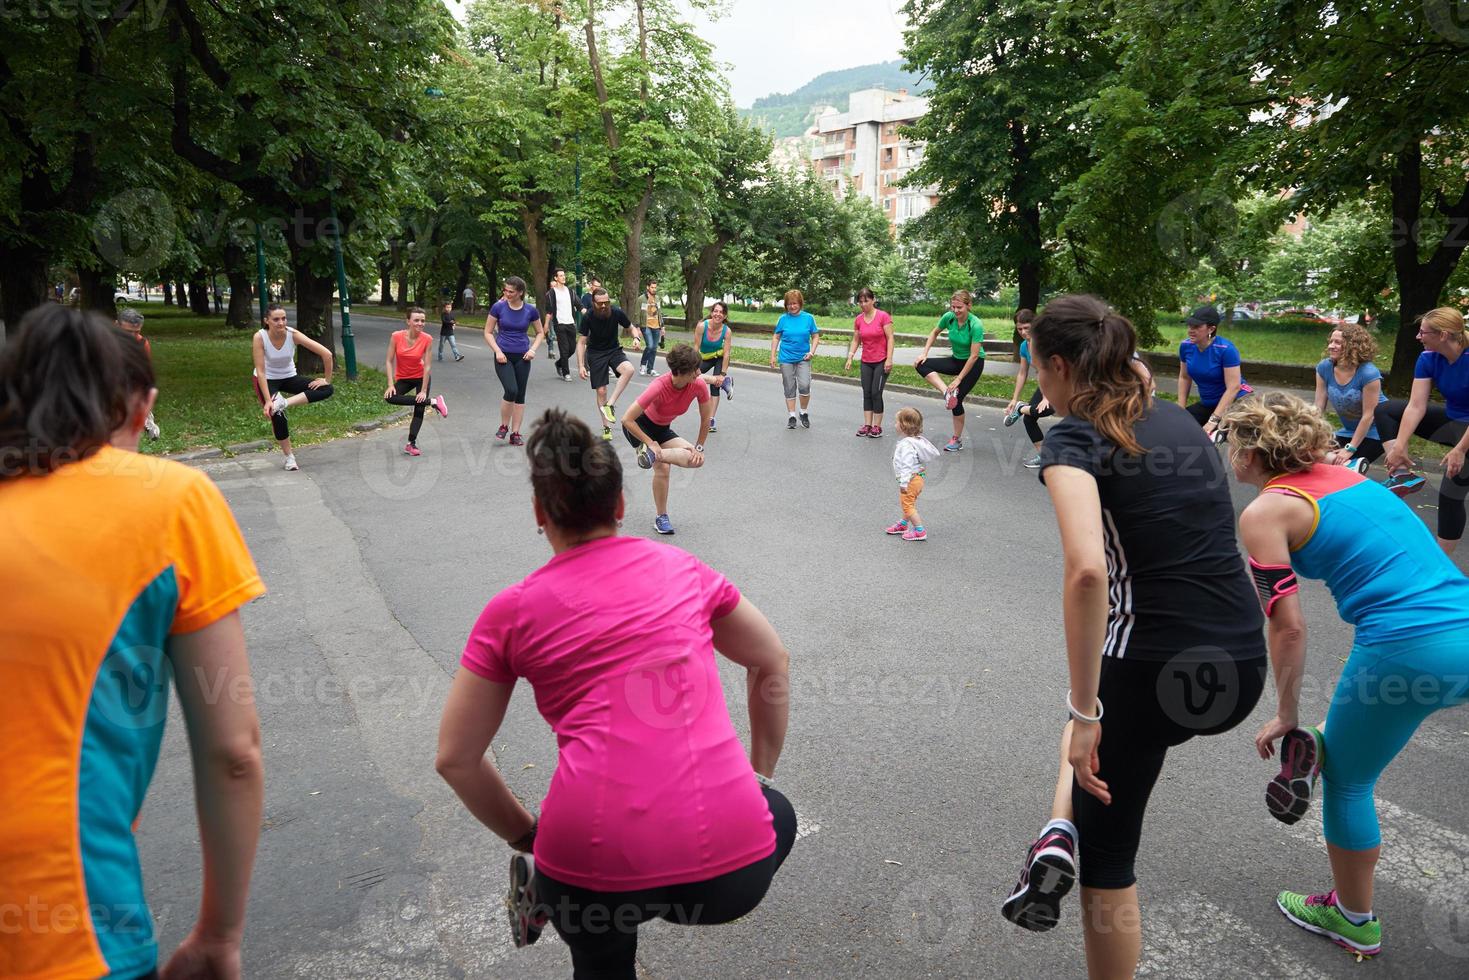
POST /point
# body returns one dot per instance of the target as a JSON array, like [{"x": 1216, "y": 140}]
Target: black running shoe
[
  {"x": 791, "y": 422},
  {"x": 805, "y": 421},
  {"x": 1049, "y": 873}
]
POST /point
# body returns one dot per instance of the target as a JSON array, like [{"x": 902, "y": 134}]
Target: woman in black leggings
[
  {"x": 507, "y": 331},
  {"x": 1037, "y": 408},
  {"x": 965, "y": 363},
  {"x": 1163, "y": 629},
  {"x": 872, "y": 330},
  {"x": 1442, "y": 365}
]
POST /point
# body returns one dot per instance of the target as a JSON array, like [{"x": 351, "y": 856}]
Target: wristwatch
[
  {"x": 1349, "y": 449},
  {"x": 699, "y": 448}
]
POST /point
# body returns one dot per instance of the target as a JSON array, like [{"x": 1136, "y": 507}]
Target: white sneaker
[
  {"x": 652, "y": 372},
  {"x": 643, "y": 371},
  {"x": 278, "y": 404},
  {"x": 151, "y": 427},
  {"x": 291, "y": 462}
]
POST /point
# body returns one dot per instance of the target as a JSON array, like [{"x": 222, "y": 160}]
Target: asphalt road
[{"x": 928, "y": 681}]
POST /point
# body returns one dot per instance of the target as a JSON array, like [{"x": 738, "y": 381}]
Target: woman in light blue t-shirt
[
  {"x": 794, "y": 342},
  {"x": 1347, "y": 379}
]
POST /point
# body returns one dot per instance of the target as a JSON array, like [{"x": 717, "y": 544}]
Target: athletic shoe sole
[
  {"x": 1409, "y": 486},
  {"x": 1037, "y": 906},
  {"x": 524, "y": 929},
  {"x": 1340, "y": 940},
  {"x": 1289, "y": 794}
]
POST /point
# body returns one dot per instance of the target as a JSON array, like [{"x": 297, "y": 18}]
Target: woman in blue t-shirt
[
  {"x": 1442, "y": 365},
  {"x": 507, "y": 331},
  {"x": 1211, "y": 362},
  {"x": 794, "y": 342},
  {"x": 1352, "y": 384}
]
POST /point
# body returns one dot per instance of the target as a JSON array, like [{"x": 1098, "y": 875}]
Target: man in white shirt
[
  {"x": 468, "y": 299},
  {"x": 559, "y": 311}
]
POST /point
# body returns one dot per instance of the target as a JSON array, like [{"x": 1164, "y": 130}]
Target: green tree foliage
[{"x": 944, "y": 279}]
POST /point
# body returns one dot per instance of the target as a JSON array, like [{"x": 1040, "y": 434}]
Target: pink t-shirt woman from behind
[
  {"x": 652, "y": 785},
  {"x": 873, "y": 335}
]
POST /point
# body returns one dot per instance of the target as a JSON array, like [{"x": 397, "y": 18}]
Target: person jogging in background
[
  {"x": 1157, "y": 607},
  {"x": 1347, "y": 379},
  {"x": 599, "y": 355},
  {"x": 650, "y": 322},
  {"x": 91, "y": 648},
  {"x": 872, "y": 330},
  {"x": 276, "y": 383},
  {"x": 593, "y": 285},
  {"x": 1442, "y": 365},
  {"x": 131, "y": 320},
  {"x": 794, "y": 342},
  {"x": 965, "y": 363},
  {"x": 1212, "y": 363},
  {"x": 559, "y": 314},
  {"x": 911, "y": 456},
  {"x": 715, "y": 338},
  {"x": 647, "y": 421},
  {"x": 1409, "y": 605},
  {"x": 446, "y": 333},
  {"x": 655, "y": 810},
  {"x": 408, "y": 374},
  {"x": 1038, "y": 408},
  {"x": 507, "y": 331}
]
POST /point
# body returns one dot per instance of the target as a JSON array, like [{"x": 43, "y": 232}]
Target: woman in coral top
[{"x": 655, "y": 810}]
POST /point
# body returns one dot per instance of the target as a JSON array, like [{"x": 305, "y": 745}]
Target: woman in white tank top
[{"x": 276, "y": 382}]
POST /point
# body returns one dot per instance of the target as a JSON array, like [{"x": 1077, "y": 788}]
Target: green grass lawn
[{"x": 204, "y": 397}]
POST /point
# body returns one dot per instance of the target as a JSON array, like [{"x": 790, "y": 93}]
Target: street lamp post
[{"x": 260, "y": 285}]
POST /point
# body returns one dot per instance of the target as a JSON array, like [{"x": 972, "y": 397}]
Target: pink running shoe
[
  {"x": 951, "y": 398},
  {"x": 500, "y": 432},
  {"x": 412, "y": 450},
  {"x": 876, "y": 432},
  {"x": 898, "y": 528},
  {"x": 915, "y": 534},
  {"x": 515, "y": 439},
  {"x": 866, "y": 430},
  {"x": 440, "y": 407}
]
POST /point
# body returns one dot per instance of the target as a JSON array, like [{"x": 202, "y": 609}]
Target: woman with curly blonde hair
[
  {"x": 1410, "y": 607},
  {"x": 1347, "y": 379}
]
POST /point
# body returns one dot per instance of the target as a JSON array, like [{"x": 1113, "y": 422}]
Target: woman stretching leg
[{"x": 966, "y": 340}]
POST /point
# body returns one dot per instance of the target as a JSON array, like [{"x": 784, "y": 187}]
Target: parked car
[
  {"x": 1311, "y": 316},
  {"x": 1240, "y": 313}
]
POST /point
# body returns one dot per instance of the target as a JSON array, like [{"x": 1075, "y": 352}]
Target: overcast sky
[{"x": 779, "y": 45}]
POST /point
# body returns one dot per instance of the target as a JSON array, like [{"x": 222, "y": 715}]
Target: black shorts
[
  {"x": 661, "y": 434},
  {"x": 601, "y": 364}
]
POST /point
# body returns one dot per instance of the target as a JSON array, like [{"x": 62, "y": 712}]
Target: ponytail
[{"x": 1098, "y": 343}]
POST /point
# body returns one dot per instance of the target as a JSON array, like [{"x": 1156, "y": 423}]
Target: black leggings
[
  {"x": 601, "y": 928},
  {"x": 1371, "y": 449},
  {"x": 294, "y": 385},
  {"x": 708, "y": 366},
  {"x": 874, "y": 380},
  {"x": 566, "y": 340},
  {"x": 952, "y": 366},
  {"x": 1032, "y": 427},
  {"x": 405, "y": 388},
  {"x": 1201, "y": 411},
  {"x": 514, "y": 377},
  {"x": 1148, "y": 707},
  {"x": 1435, "y": 427}
]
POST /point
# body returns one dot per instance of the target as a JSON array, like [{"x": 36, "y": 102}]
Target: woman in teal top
[
  {"x": 966, "y": 341},
  {"x": 714, "y": 340}
]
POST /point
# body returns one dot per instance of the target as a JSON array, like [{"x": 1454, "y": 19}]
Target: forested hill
[{"x": 793, "y": 114}]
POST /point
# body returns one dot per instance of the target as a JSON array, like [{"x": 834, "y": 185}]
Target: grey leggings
[
  {"x": 796, "y": 377},
  {"x": 874, "y": 379}
]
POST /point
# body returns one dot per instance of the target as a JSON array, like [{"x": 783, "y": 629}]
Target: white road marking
[{"x": 1193, "y": 939}]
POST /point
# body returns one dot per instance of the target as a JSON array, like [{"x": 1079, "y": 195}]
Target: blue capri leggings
[{"x": 1384, "y": 694}]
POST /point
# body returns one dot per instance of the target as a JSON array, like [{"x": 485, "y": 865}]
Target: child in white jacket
[{"x": 909, "y": 457}]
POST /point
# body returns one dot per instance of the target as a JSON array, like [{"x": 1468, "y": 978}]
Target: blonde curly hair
[
  {"x": 1357, "y": 346},
  {"x": 1289, "y": 434}
]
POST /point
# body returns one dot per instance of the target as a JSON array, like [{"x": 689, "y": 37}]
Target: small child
[
  {"x": 909, "y": 457},
  {"x": 446, "y": 332}
]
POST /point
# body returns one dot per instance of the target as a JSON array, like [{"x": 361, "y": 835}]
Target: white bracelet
[
  {"x": 1081, "y": 717},
  {"x": 765, "y": 781}
]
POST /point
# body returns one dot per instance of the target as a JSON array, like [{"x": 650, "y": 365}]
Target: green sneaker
[
  {"x": 1302, "y": 754},
  {"x": 1319, "y": 914}
]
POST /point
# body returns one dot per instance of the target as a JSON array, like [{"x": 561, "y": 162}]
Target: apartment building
[{"x": 861, "y": 152}]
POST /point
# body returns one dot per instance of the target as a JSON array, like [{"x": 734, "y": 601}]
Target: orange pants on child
[{"x": 909, "y": 497}]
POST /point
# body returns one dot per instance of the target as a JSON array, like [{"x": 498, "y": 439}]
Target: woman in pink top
[
  {"x": 654, "y": 810},
  {"x": 648, "y": 425},
  {"x": 873, "y": 329}
]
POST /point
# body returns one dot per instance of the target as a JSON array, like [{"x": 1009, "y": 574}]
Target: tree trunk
[
  {"x": 313, "y": 314},
  {"x": 696, "y": 276},
  {"x": 1420, "y": 284},
  {"x": 180, "y": 294},
  {"x": 97, "y": 289},
  {"x": 385, "y": 273},
  {"x": 167, "y": 293},
  {"x": 402, "y": 266},
  {"x": 22, "y": 284},
  {"x": 632, "y": 272},
  {"x": 491, "y": 268},
  {"x": 462, "y": 282},
  {"x": 538, "y": 249},
  {"x": 199, "y": 302},
  {"x": 288, "y": 288},
  {"x": 237, "y": 271}
]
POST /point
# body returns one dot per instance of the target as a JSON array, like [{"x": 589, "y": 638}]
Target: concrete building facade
[{"x": 861, "y": 152}]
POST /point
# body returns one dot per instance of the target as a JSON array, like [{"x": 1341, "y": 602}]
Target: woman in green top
[
  {"x": 714, "y": 339},
  {"x": 966, "y": 339}
]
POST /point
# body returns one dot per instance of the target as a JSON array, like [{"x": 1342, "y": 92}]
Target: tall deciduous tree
[{"x": 1000, "y": 139}]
